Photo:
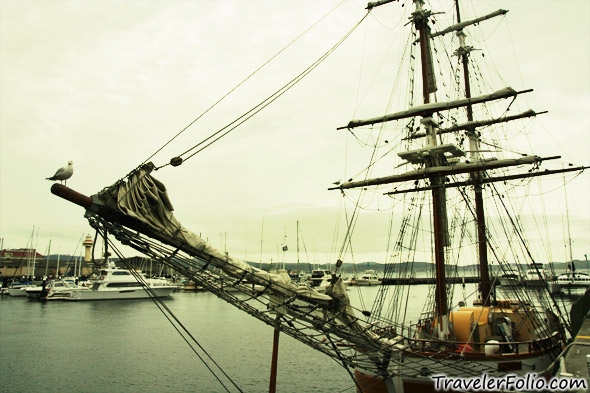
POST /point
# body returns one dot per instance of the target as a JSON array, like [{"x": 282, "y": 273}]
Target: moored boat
[
  {"x": 319, "y": 276},
  {"x": 510, "y": 277},
  {"x": 368, "y": 278},
  {"x": 120, "y": 284},
  {"x": 536, "y": 276},
  {"x": 18, "y": 288},
  {"x": 55, "y": 289},
  {"x": 574, "y": 280}
]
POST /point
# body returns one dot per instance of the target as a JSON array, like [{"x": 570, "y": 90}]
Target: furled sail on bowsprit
[
  {"x": 145, "y": 199},
  {"x": 139, "y": 208}
]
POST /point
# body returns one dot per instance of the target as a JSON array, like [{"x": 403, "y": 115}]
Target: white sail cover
[{"x": 145, "y": 199}]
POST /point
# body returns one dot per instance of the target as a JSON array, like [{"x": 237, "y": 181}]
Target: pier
[
  {"x": 428, "y": 280},
  {"x": 574, "y": 363}
]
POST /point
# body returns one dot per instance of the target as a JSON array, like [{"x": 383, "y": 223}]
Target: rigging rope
[
  {"x": 301, "y": 322},
  {"x": 174, "y": 321},
  {"x": 519, "y": 235},
  {"x": 260, "y": 106},
  {"x": 243, "y": 81}
]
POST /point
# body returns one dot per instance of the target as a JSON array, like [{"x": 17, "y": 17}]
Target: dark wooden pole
[{"x": 272, "y": 388}]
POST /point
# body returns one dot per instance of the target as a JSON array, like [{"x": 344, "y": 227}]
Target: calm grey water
[{"x": 129, "y": 346}]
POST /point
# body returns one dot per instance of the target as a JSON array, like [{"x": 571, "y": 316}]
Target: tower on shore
[{"x": 87, "y": 243}]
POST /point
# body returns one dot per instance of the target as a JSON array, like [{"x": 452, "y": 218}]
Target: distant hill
[
  {"x": 351, "y": 268},
  {"x": 468, "y": 270}
]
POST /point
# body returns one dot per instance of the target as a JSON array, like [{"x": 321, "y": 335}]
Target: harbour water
[{"x": 129, "y": 346}]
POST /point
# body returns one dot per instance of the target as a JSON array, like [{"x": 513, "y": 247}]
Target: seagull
[{"x": 64, "y": 173}]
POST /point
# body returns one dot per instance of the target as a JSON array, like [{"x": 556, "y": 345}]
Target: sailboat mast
[
  {"x": 569, "y": 235},
  {"x": 297, "y": 250},
  {"x": 47, "y": 258},
  {"x": 420, "y": 18},
  {"x": 484, "y": 274}
]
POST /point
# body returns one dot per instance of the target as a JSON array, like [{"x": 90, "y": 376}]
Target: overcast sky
[{"x": 106, "y": 83}]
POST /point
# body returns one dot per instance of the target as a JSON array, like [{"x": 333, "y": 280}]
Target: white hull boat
[
  {"x": 121, "y": 284},
  {"x": 574, "y": 280},
  {"x": 536, "y": 276},
  {"x": 369, "y": 278},
  {"x": 510, "y": 278},
  {"x": 54, "y": 290}
]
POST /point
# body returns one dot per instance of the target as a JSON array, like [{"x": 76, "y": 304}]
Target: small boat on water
[
  {"x": 326, "y": 283},
  {"x": 120, "y": 284},
  {"x": 574, "y": 280},
  {"x": 318, "y": 276},
  {"x": 536, "y": 276},
  {"x": 17, "y": 289},
  {"x": 510, "y": 277},
  {"x": 54, "y": 289},
  {"x": 369, "y": 278}
]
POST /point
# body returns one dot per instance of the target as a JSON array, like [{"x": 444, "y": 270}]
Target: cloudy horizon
[{"x": 105, "y": 84}]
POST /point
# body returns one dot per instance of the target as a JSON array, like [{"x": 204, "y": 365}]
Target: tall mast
[
  {"x": 472, "y": 134},
  {"x": 420, "y": 18},
  {"x": 297, "y": 250}
]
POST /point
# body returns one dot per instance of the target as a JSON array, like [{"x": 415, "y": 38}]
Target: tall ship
[{"x": 437, "y": 154}]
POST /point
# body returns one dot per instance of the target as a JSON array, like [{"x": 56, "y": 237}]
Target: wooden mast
[
  {"x": 420, "y": 18},
  {"x": 485, "y": 287}
]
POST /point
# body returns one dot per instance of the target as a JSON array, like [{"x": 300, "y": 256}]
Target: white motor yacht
[
  {"x": 536, "y": 276},
  {"x": 118, "y": 284},
  {"x": 369, "y": 278}
]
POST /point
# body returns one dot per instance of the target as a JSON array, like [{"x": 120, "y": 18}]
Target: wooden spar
[
  {"x": 71, "y": 195},
  {"x": 374, "y": 4},
  {"x": 478, "y": 123},
  {"x": 489, "y": 122},
  {"x": 494, "y": 179},
  {"x": 272, "y": 386},
  {"x": 442, "y": 171},
  {"x": 460, "y": 25},
  {"x": 427, "y": 109}
]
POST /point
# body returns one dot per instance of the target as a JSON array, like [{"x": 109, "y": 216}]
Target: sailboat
[{"x": 449, "y": 169}]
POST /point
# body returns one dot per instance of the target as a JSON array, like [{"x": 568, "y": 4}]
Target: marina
[{"x": 133, "y": 344}]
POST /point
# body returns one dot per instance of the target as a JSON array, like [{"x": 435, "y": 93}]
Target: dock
[
  {"x": 428, "y": 280},
  {"x": 574, "y": 363}
]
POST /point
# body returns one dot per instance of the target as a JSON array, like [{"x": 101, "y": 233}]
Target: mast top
[
  {"x": 460, "y": 26},
  {"x": 374, "y": 4}
]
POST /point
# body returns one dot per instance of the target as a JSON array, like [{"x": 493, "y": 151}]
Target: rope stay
[
  {"x": 216, "y": 136},
  {"x": 182, "y": 330},
  {"x": 242, "y": 82}
]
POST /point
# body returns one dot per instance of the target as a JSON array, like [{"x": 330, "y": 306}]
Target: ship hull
[{"x": 541, "y": 364}]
